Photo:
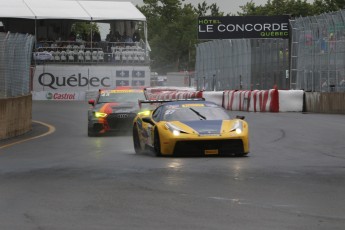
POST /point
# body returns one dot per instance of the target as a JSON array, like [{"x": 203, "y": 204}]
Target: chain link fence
[
  {"x": 242, "y": 64},
  {"x": 316, "y": 63},
  {"x": 318, "y": 53},
  {"x": 15, "y": 60}
]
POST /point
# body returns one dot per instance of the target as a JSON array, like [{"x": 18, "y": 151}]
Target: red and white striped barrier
[
  {"x": 253, "y": 101},
  {"x": 272, "y": 100},
  {"x": 214, "y": 96},
  {"x": 168, "y": 93}
]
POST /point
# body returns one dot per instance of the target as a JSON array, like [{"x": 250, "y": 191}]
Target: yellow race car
[{"x": 189, "y": 127}]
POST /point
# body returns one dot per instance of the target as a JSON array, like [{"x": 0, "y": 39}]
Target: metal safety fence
[
  {"x": 313, "y": 60},
  {"x": 318, "y": 53},
  {"x": 15, "y": 60},
  {"x": 242, "y": 64}
]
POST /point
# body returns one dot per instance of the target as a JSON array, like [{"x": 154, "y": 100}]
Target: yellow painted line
[{"x": 51, "y": 129}]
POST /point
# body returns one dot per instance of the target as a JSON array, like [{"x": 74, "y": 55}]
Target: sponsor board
[
  {"x": 236, "y": 27},
  {"x": 58, "y": 96},
  {"x": 77, "y": 78}
]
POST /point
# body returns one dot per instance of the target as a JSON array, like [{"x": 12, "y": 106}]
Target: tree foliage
[
  {"x": 172, "y": 25},
  {"x": 172, "y": 32},
  {"x": 292, "y": 7},
  {"x": 82, "y": 30}
]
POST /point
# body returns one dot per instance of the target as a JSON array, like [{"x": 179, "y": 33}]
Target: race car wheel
[
  {"x": 157, "y": 144},
  {"x": 91, "y": 133},
  {"x": 136, "y": 140}
]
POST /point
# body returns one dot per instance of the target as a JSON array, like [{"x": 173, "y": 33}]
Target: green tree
[
  {"x": 278, "y": 7},
  {"x": 82, "y": 30},
  {"x": 292, "y": 7},
  {"x": 172, "y": 32},
  {"x": 324, "y": 6}
]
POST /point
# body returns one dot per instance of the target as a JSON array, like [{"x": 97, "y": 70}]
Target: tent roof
[
  {"x": 15, "y": 9},
  {"x": 70, "y": 9},
  {"x": 107, "y": 10}
]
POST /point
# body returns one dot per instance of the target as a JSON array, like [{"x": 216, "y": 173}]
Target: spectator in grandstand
[
  {"x": 117, "y": 36},
  {"x": 109, "y": 36},
  {"x": 136, "y": 36},
  {"x": 342, "y": 83},
  {"x": 96, "y": 37},
  {"x": 113, "y": 37},
  {"x": 40, "y": 43},
  {"x": 127, "y": 39},
  {"x": 323, "y": 45},
  {"x": 72, "y": 36},
  {"x": 331, "y": 42}
]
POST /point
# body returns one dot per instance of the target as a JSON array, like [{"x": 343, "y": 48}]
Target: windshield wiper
[{"x": 199, "y": 114}]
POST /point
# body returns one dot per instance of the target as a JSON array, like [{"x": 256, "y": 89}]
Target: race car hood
[
  {"x": 205, "y": 127},
  {"x": 117, "y": 107}
]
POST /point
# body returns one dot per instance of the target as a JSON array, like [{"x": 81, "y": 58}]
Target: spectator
[
  {"x": 96, "y": 36},
  {"x": 136, "y": 36},
  {"x": 127, "y": 39}
]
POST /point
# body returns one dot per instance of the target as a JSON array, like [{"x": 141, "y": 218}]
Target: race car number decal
[
  {"x": 169, "y": 111},
  {"x": 193, "y": 105},
  {"x": 105, "y": 93}
]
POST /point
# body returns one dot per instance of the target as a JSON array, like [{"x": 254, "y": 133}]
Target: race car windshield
[
  {"x": 197, "y": 113},
  {"x": 121, "y": 97},
  {"x": 192, "y": 114}
]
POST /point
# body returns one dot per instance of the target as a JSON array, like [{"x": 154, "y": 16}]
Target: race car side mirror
[
  {"x": 92, "y": 102},
  {"x": 148, "y": 120},
  {"x": 240, "y": 117}
]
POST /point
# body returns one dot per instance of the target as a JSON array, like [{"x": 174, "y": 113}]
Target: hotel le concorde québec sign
[{"x": 237, "y": 27}]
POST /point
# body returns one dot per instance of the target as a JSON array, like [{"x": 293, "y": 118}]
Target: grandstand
[{"x": 60, "y": 52}]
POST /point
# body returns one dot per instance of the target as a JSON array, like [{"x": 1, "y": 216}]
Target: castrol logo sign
[{"x": 58, "y": 96}]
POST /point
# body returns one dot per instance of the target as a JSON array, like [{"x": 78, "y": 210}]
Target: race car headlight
[
  {"x": 237, "y": 127},
  {"x": 176, "y": 131},
  {"x": 99, "y": 114},
  {"x": 145, "y": 113}
]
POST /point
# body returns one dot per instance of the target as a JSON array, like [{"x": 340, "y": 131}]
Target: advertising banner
[
  {"x": 78, "y": 78},
  {"x": 237, "y": 27},
  {"x": 58, "y": 96}
]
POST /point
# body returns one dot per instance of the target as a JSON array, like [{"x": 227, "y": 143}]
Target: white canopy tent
[
  {"x": 15, "y": 9},
  {"x": 70, "y": 9},
  {"x": 20, "y": 15}
]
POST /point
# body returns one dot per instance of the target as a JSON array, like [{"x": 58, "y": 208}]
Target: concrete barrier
[
  {"x": 216, "y": 97},
  {"x": 253, "y": 101},
  {"x": 291, "y": 100},
  {"x": 15, "y": 116},
  {"x": 318, "y": 102}
]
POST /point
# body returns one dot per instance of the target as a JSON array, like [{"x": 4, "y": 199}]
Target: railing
[{"x": 118, "y": 53}]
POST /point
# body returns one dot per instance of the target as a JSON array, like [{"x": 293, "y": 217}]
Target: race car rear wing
[{"x": 169, "y": 100}]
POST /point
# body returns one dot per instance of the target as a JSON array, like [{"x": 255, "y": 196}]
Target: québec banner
[{"x": 236, "y": 27}]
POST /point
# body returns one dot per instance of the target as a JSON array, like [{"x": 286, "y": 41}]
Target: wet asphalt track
[{"x": 294, "y": 178}]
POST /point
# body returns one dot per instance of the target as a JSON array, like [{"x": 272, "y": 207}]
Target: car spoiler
[{"x": 168, "y": 100}]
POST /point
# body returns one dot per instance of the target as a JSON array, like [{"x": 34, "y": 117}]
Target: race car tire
[
  {"x": 91, "y": 133},
  {"x": 241, "y": 154},
  {"x": 157, "y": 144},
  {"x": 136, "y": 141}
]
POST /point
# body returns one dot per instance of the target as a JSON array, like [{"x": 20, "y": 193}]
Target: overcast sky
[{"x": 226, "y": 6}]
